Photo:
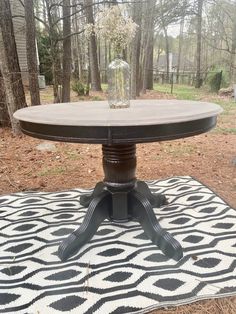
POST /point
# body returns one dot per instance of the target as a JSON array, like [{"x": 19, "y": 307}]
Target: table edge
[
  {"x": 115, "y": 134},
  {"x": 19, "y": 115}
]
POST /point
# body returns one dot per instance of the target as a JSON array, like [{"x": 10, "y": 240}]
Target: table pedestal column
[
  {"x": 119, "y": 165},
  {"x": 120, "y": 197}
]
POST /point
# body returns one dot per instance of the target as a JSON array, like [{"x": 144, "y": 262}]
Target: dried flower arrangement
[{"x": 112, "y": 25}]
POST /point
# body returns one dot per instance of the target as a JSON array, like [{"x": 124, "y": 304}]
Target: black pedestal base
[{"x": 121, "y": 205}]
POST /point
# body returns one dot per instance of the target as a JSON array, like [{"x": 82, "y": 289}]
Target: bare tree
[
  {"x": 93, "y": 59},
  {"x": 54, "y": 35},
  {"x": 150, "y": 62},
  {"x": 66, "y": 51},
  {"x": 135, "y": 50},
  {"x": 233, "y": 46},
  {"x": 31, "y": 53},
  {"x": 10, "y": 65},
  {"x": 44, "y": 12},
  {"x": 198, "y": 82},
  {"x": 219, "y": 37},
  {"x": 148, "y": 44},
  {"x": 76, "y": 45},
  {"x": 4, "y": 116},
  {"x": 181, "y": 36},
  {"x": 37, "y": 4}
]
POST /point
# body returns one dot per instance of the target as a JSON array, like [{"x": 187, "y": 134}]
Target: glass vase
[{"x": 118, "y": 84}]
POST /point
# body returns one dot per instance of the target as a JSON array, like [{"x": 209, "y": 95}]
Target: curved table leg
[
  {"x": 143, "y": 212},
  {"x": 156, "y": 200},
  {"x": 86, "y": 199},
  {"x": 97, "y": 212}
]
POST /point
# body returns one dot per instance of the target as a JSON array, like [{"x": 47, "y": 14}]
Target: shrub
[
  {"x": 79, "y": 88},
  {"x": 217, "y": 79},
  {"x": 44, "y": 51}
]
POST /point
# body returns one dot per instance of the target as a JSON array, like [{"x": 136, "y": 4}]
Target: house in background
[
  {"x": 20, "y": 37},
  {"x": 18, "y": 13}
]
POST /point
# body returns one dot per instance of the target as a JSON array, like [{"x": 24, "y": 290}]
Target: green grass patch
[
  {"x": 175, "y": 151},
  {"x": 221, "y": 130},
  {"x": 104, "y": 87},
  {"x": 52, "y": 171},
  {"x": 73, "y": 155},
  {"x": 182, "y": 91},
  {"x": 179, "y": 151},
  {"x": 191, "y": 93},
  {"x": 227, "y": 105},
  {"x": 96, "y": 98}
]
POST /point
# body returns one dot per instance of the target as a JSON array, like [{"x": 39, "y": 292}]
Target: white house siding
[{"x": 19, "y": 29}]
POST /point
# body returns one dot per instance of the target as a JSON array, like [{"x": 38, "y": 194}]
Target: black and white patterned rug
[{"x": 119, "y": 270}]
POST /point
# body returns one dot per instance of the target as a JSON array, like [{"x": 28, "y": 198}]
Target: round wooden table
[{"x": 120, "y": 196}]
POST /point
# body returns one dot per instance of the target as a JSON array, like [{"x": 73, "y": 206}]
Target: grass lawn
[
  {"x": 181, "y": 91},
  {"x": 203, "y": 94},
  {"x": 227, "y": 121}
]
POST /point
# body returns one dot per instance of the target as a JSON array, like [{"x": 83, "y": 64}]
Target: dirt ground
[{"x": 210, "y": 158}]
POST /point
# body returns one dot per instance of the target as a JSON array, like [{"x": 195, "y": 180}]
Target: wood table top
[
  {"x": 152, "y": 118},
  {"x": 98, "y": 113}
]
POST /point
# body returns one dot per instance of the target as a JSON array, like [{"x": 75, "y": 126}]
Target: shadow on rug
[{"x": 119, "y": 270}]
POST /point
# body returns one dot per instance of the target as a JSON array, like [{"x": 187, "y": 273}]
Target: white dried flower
[
  {"x": 88, "y": 30},
  {"x": 113, "y": 26}
]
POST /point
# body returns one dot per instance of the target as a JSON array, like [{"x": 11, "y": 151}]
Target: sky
[{"x": 173, "y": 30}]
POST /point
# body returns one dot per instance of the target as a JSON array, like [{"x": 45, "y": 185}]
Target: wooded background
[{"x": 196, "y": 38}]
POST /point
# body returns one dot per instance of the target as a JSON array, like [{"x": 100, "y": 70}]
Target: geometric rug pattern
[{"x": 119, "y": 270}]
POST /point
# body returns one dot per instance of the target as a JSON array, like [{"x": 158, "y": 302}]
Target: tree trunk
[
  {"x": 44, "y": 12},
  {"x": 199, "y": 43},
  {"x": 93, "y": 58},
  {"x": 135, "y": 52},
  {"x": 75, "y": 44},
  {"x": 75, "y": 58},
  {"x": 232, "y": 61},
  {"x": 10, "y": 65},
  {"x": 66, "y": 52},
  {"x": 31, "y": 53},
  {"x": 109, "y": 52},
  {"x": 164, "y": 24},
  {"x": 167, "y": 48},
  {"x": 105, "y": 62},
  {"x": 37, "y": 5},
  {"x": 54, "y": 53},
  {"x": 149, "y": 29},
  {"x": 81, "y": 51},
  {"x": 4, "y": 116},
  {"x": 181, "y": 36},
  {"x": 233, "y": 51},
  {"x": 150, "y": 63}
]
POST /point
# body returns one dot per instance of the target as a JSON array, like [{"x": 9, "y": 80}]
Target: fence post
[
  {"x": 162, "y": 78},
  {"x": 172, "y": 82},
  {"x": 234, "y": 89},
  {"x": 189, "y": 79}
]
